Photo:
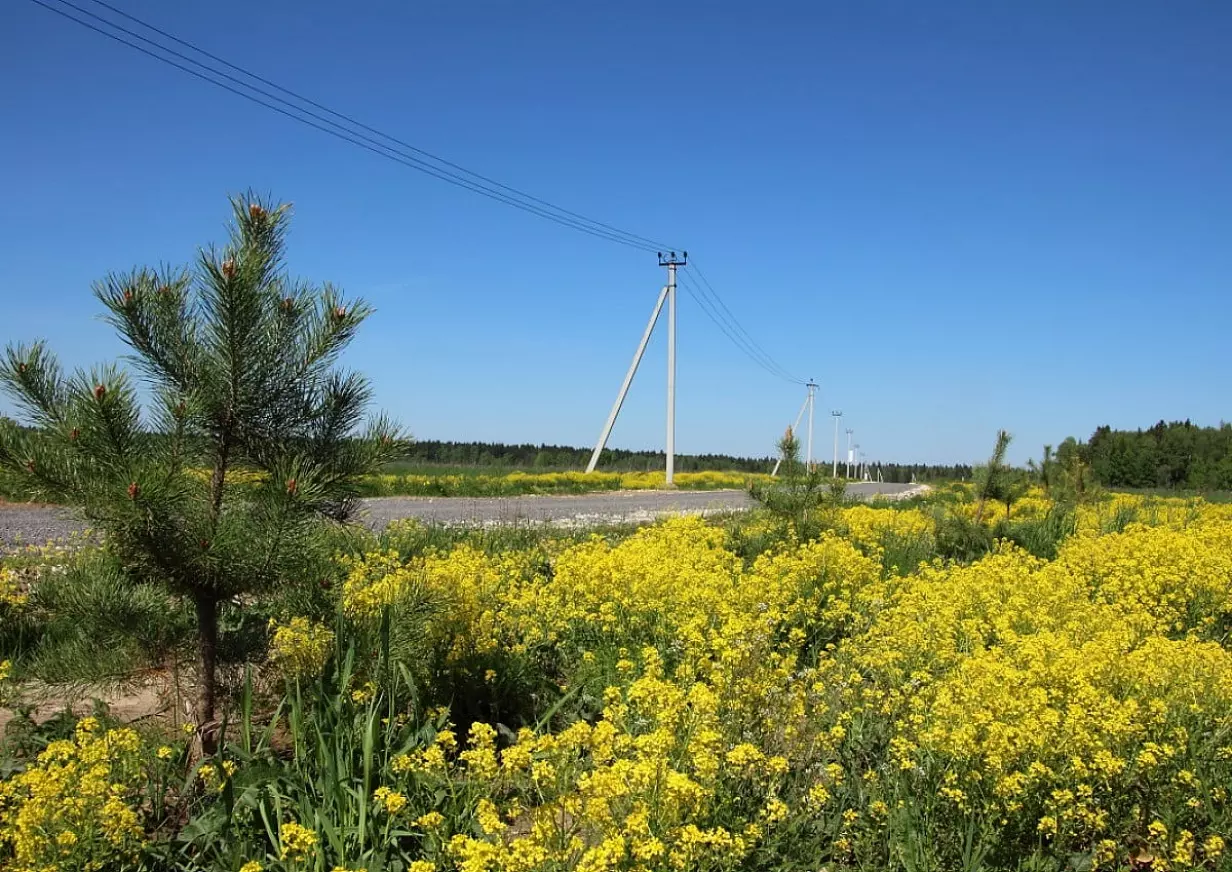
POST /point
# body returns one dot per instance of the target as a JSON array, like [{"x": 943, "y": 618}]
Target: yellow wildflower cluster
[
  {"x": 297, "y": 841},
  {"x": 1057, "y": 689},
  {"x": 802, "y": 705},
  {"x": 300, "y": 648},
  {"x": 75, "y": 807},
  {"x": 867, "y": 525},
  {"x": 12, "y": 592},
  {"x": 1037, "y": 694}
]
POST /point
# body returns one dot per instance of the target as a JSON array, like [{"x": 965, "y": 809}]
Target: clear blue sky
[{"x": 1022, "y": 211}]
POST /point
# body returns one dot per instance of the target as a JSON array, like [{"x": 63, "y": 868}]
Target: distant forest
[
  {"x": 1169, "y": 455},
  {"x": 499, "y": 457}
]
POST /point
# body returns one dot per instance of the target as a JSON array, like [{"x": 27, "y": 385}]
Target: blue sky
[{"x": 1021, "y": 212}]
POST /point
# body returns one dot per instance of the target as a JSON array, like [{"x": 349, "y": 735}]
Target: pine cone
[
  {"x": 255, "y": 212},
  {"x": 134, "y": 490},
  {"x": 292, "y": 486},
  {"x": 99, "y": 391}
]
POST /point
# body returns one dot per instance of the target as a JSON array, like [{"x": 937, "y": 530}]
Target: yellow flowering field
[
  {"x": 676, "y": 699},
  {"x": 514, "y": 483}
]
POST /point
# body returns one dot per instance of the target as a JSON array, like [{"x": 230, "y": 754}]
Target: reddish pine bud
[
  {"x": 292, "y": 486},
  {"x": 228, "y": 269},
  {"x": 165, "y": 290},
  {"x": 255, "y": 212},
  {"x": 21, "y": 367},
  {"x": 204, "y": 543},
  {"x": 128, "y": 296},
  {"x": 99, "y": 392},
  {"x": 340, "y": 313},
  {"x": 30, "y": 465},
  {"x": 74, "y": 434},
  {"x": 287, "y": 304},
  {"x": 180, "y": 409},
  {"x": 326, "y": 584},
  {"x": 134, "y": 491}
]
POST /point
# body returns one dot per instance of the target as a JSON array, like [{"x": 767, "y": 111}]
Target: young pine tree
[
  {"x": 248, "y": 441},
  {"x": 992, "y": 480}
]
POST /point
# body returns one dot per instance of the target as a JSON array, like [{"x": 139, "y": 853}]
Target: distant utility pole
[
  {"x": 849, "y": 458},
  {"x": 836, "y": 413},
  {"x": 812, "y": 393},
  {"x": 668, "y": 294}
]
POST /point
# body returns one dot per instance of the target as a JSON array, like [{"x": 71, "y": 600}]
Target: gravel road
[{"x": 21, "y": 523}]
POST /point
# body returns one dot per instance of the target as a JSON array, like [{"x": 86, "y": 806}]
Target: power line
[
  {"x": 766, "y": 363},
  {"x": 352, "y": 131},
  {"x": 486, "y": 187},
  {"x": 735, "y": 322},
  {"x": 356, "y": 122},
  {"x": 734, "y": 333}
]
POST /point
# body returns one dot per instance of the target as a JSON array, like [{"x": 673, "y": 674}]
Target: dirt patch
[{"x": 154, "y": 699}]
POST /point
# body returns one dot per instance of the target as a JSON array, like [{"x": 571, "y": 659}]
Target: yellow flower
[
  {"x": 252, "y": 866},
  {"x": 1213, "y": 847},
  {"x": 80, "y": 795},
  {"x": 296, "y": 841},
  {"x": 391, "y": 801},
  {"x": 300, "y": 648},
  {"x": 430, "y": 820}
]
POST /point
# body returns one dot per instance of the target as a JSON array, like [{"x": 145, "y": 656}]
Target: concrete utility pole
[
  {"x": 671, "y": 263},
  {"x": 836, "y": 414},
  {"x": 812, "y": 393},
  {"x": 668, "y": 295},
  {"x": 849, "y": 458}
]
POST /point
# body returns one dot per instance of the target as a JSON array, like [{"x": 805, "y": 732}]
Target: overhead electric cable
[
  {"x": 484, "y": 187},
  {"x": 352, "y": 120},
  {"x": 768, "y": 364},
  {"x": 734, "y": 322},
  {"x": 355, "y": 132}
]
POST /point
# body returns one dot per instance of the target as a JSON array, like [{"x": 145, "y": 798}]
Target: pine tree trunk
[{"x": 207, "y": 645}]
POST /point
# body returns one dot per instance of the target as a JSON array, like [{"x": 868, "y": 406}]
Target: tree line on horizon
[
  {"x": 1176, "y": 454},
  {"x": 530, "y": 456}
]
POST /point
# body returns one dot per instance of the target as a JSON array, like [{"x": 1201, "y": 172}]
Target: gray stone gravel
[{"x": 26, "y": 524}]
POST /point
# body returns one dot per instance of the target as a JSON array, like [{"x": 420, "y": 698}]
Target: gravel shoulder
[{"x": 21, "y": 523}]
